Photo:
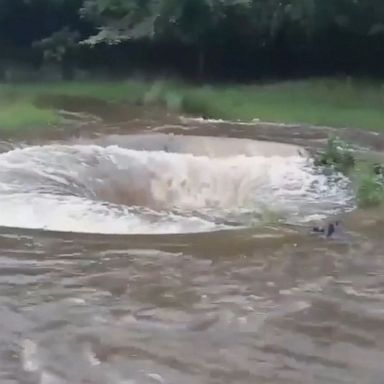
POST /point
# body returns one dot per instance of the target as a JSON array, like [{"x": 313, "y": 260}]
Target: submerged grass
[{"x": 331, "y": 102}]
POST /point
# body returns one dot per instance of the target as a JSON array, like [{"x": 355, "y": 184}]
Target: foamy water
[{"x": 114, "y": 190}]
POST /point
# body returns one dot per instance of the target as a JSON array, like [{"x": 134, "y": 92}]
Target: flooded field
[{"x": 148, "y": 248}]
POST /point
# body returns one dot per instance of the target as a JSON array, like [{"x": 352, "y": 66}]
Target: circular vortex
[{"x": 162, "y": 184}]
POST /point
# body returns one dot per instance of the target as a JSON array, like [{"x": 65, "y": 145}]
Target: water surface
[{"x": 160, "y": 259}]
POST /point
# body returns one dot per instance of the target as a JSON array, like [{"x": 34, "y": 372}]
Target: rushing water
[
  {"x": 184, "y": 259},
  {"x": 125, "y": 188}
]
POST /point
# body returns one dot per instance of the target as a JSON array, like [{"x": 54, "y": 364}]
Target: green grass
[
  {"x": 330, "y": 102},
  {"x": 367, "y": 176},
  {"x": 18, "y": 103},
  {"x": 369, "y": 186},
  {"x": 338, "y": 155},
  {"x": 129, "y": 91},
  {"x": 22, "y": 114}
]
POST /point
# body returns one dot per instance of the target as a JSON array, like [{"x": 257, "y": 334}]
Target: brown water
[{"x": 234, "y": 300}]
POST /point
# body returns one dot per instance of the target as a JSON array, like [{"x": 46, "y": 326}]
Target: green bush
[
  {"x": 338, "y": 154},
  {"x": 367, "y": 177},
  {"x": 369, "y": 185}
]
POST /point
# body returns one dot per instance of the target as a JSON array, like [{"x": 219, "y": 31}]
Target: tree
[
  {"x": 217, "y": 32},
  {"x": 59, "y": 48},
  {"x": 194, "y": 23}
]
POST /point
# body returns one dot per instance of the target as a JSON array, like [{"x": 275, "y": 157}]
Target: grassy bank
[
  {"x": 25, "y": 115},
  {"x": 331, "y": 102}
]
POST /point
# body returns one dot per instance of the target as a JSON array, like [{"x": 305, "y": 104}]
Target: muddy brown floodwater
[{"x": 184, "y": 260}]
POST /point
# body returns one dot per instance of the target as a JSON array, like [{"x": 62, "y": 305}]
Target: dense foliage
[{"x": 239, "y": 38}]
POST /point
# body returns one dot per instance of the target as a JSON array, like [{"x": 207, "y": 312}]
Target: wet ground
[{"x": 266, "y": 303}]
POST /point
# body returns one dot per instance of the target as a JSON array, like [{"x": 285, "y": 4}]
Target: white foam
[
  {"x": 87, "y": 188},
  {"x": 29, "y": 356},
  {"x": 203, "y": 120}
]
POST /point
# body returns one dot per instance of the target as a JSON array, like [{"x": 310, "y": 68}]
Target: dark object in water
[
  {"x": 317, "y": 230},
  {"x": 329, "y": 230}
]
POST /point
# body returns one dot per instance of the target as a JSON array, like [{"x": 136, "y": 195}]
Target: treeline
[{"x": 217, "y": 39}]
